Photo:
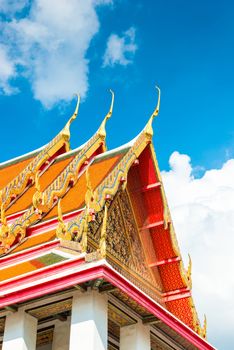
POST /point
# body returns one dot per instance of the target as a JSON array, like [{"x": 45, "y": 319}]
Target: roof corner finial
[
  {"x": 37, "y": 183},
  {"x": 204, "y": 329},
  {"x": 4, "y": 229},
  {"x": 3, "y": 216},
  {"x": 66, "y": 129},
  {"x": 61, "y": 228},
  {"x": 102, "y": 243},
  {"x": 189, "y": 270},
  {"x": 91, "y": 194},
  {"x": 84, "y": 240},
  {"x": 148, "y": 129},
  {"x": 102, "y": 129},
  {"x": 38, "y": 198}
]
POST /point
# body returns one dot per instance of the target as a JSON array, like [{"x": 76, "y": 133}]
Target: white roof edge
[
  {"x": 25, "y": 155},
  {"x": 69, "y": 153}
]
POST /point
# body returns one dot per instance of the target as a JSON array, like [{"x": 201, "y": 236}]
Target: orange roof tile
[
  {"x": 29, "y": 266},
  {"x": 45, "y": 179},
  {"x": 74, "y": 198},
  {"x": 33, "y": 241},
  {"x": 9, "y": 172}
]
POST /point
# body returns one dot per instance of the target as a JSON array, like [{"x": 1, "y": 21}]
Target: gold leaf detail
[
  {"x": 102, "y": 129},
  {"x": 102, "y": 244}
]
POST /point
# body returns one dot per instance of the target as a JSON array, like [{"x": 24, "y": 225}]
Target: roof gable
[{"x": 115, "y": 209}]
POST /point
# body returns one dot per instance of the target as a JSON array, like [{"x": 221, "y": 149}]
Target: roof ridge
[{"x": 17, "y": 159}]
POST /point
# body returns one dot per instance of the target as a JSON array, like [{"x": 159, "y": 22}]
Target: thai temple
[{"x": 89, "y": 258}]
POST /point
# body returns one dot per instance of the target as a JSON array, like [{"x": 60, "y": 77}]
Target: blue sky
[
  {"x": 49, "y": 50},
  {"x": 185, "y": 47}
]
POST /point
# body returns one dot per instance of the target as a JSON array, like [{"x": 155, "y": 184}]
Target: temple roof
[{"x": 58, "y": 205}]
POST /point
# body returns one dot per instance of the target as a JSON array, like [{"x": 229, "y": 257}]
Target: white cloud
[
  {"x": 10, "y": 7},
  {"x": 203, "y": 214},
  {"x": 7, "y": 71},
  {"x": 50, "y": 45},
  {"x": 120, "y": 49}
]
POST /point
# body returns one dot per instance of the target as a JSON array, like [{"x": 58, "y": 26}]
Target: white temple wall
[
  {"x": 61, "y": 335},
  {"x": 89, "y": 328},
  {"x": 135, "y": 337},
  {"x": 20, "y": 332}
]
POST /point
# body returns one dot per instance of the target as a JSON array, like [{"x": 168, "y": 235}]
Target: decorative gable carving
[{"x": 124, "y": 248}]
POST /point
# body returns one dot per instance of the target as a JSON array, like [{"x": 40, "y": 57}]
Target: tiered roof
[{"x": 63, "y": 210}]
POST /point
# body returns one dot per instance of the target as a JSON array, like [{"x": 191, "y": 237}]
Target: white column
[
  {"x": 135, "y": 337},
  {"x": 89, "y": 322},
  {"x": 20, "y": 332},
  {"x": 61, "y": 335}
]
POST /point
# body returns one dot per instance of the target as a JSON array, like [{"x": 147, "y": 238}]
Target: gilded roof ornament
[
  {"x": 61, "y": 230},
  {"x": 38, "y": 197},
  {"x": 16, "y": 187},
  {"x": 66, "y": 129},
  {"x": 90, "y": 195},
  {"x": 102, "y": 129},
  {"x": 102, "y": 243},
  {"x": 189, "y": 270},
  {"x": 202, "y": 331},
  {"x": 84, "y": 240},
  {"x": 37, "y": 183},
  {"x": 4, "y": 229},
  {"x": 3, "y": 217},
  {"x": 148, "y": 129}
]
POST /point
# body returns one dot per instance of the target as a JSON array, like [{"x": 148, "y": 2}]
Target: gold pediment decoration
[{"x": 115, "y": 231}]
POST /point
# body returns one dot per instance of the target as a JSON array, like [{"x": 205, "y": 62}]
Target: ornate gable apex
[{"x": 44, "y": 201}]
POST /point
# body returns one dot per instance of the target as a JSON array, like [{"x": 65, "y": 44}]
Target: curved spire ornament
[
  {"x": 66, "y": 129},
  {"x": 102, "y": 129},
  {"x": 148, "y": 129}
]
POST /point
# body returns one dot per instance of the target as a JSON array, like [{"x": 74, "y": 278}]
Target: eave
[{"x": 74, "y": 275}]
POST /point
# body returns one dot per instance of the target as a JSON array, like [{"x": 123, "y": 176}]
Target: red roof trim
[{"x": 107, "y": 272}]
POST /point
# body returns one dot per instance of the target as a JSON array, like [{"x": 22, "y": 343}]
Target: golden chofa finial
[
  {"x": 148, "y": 129},
  {"x": 102, "y": 129},
  {"x": 66, "y": 129}
]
